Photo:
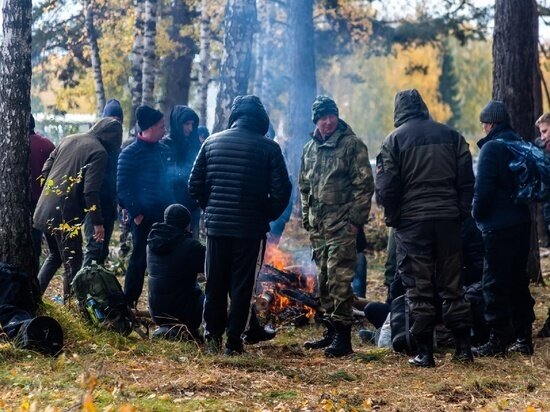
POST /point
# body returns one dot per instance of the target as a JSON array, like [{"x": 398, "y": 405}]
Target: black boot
[
  {"x": 259, "y": 334},
  {"x": 341, "y": 344},
  {"x": 463, "y": 349},
  {"x": 545, "y": 331},
  {"x": 425, "y": 357},
  {"x": 495, "y": 346},
  {"x": 326, "y": 340},
  {"x": 524, "y": 342}
]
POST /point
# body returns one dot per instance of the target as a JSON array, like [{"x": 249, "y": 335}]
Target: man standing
[
  {"x": 336, "y": 188},
  {"x": 144, "y": 191},
  {"x": 73, "y": 173},
  {"x": 425, "y": 183},
  {"x": 241, "y": 182},
  {"x": 98, "y": 251},
  {"x": 506, "y": 227},
  {"x": 184, "y": 144}
]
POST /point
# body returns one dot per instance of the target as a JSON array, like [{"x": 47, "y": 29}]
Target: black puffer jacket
[
  {"x": 173, "y": 261},
  {"x": 183, "y": 151},
  {"x": 424, "y": 169},
  {"x": 240, "y": 177}
]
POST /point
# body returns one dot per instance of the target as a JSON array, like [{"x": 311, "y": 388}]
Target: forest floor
[{"x": 103, "y": 371}]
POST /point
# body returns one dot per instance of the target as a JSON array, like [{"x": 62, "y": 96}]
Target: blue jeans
[{"x": 359, "y": 284}]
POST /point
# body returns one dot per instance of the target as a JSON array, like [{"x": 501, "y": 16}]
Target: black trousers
[
  {"x": 429, "y": 264},
  {"x": 232, "y": 265},
  {"x": 137, "y": 264},
  {"x": 508, "y": 301}
]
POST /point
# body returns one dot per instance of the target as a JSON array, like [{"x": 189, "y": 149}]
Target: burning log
[{"x": 304, "y": 298}]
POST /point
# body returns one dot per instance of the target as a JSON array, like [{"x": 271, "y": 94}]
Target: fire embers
[{"x": 286, "y": 296}]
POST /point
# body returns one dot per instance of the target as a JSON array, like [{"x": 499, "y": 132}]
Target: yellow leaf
[{"x": 88, "y": 403}]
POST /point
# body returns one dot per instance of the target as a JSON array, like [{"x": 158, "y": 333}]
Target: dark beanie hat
[
  {"x": 494, "y": 112},
  {"x": 322, "y": 106},
  {"x": 177, "y": 215},
  {"x": 147, "y": 116},
  {"x": 203, "y": 131},
  {"x": 32, "y": 124},
  {"x": 113, "y": 109}
]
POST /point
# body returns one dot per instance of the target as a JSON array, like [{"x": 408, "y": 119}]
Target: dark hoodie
[
  {"x": 83, "y": 154},
  {"x": 183, "y": 151},
  {"x": 240, "y": 177},
  {"x": 424, "y": 169},
  {"x": 173, "y": 261}
]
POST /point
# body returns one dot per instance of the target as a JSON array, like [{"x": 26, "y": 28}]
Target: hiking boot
[
  {"x": 259, "y": 334},
  {"x": 524, "y": 342},
  {"x": 425, "y": 357},
  {"x": 234, "y": 348},
  {"x": 495, "y": 347},
  {"x": 326, "y": 340},
  {"x": 545, "y": 331},
  {"x": 463, "y": 349},
  {"x": 341, "y": 344},
  {"x": 213, "y": 345}
]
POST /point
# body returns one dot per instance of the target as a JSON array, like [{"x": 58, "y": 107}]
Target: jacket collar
[
  {"x": 500, "y": 131},
  {"x": 332, "y": 141}
]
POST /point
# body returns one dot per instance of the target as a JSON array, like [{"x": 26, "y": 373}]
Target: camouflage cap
[{"x": 322, "y": 106}]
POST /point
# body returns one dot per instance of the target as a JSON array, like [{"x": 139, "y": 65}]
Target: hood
[
  {"x": 178, "y": 116},
  {"x": 164, "y": 238},
  {"x": 409, "y": 105},
  {"x": 248, "y": 112},
  {"x": 109, "y": 132}
]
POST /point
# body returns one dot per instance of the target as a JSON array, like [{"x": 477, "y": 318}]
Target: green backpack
[{"x": 101, "y": 298}]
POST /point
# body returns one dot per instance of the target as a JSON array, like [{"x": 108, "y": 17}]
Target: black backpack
[
  {"x": 101, "y": 298},
  {"x": 400, "y": 320}
]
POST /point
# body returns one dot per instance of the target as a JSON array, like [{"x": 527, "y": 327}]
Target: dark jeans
[
  {"x": 429, "y": 264},
  {"x": 97, "y": 251},
  {"x": 376, "y": 313},
  {"x": 66, "y": 251},
  {"x": 137, "y": 264},
  {"x": 508, "y": 301},
  {"x": 359, "y": 284},
  {"x": 232, "y": 265},
  {"x": 196, "y": 223},
  {"x": 37, "y": 247}
]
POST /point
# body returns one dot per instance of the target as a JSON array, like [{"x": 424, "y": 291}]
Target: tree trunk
[
  {"x": 260, "y": 50},
  {"x": 136, "y": 59},
  {"x": 204, "y": 64},
  {"x": 91, "y": 33},
  {"x": 303, "y": 86},
  {"x": 149, "y": 53},
  {"x": 178, "y": 63},
  {"x": 239, "y": 26},
  {"x": 15, "y": 86},
  {"x": 514, "y": 58}
]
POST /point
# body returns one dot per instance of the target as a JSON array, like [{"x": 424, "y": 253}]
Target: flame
[
  {"x": 310, "y": 312},
  {"x": 277, "y": 258}
]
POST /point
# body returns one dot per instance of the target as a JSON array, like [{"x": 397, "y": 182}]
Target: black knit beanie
[
  {"x": 494, "y": 112},
  {"x": 322, "y": 106},
  {"x": 113, "y": 109},
  {"x": 177, "y": 215},
  {"x": 147, "y": 116}
]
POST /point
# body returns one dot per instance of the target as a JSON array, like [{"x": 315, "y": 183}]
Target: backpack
[
  {"x": 100, "y": 296},
  {"x": 531, "y": 169},
  {"x": 400, "y": 320}
]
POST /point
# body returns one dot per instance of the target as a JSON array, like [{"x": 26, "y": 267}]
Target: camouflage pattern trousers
[{"x": 335, "y": 255}]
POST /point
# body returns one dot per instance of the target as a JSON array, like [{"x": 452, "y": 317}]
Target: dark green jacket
[
  {"x": 336, "y": 183},
  {"x": 424, "y": 169}
]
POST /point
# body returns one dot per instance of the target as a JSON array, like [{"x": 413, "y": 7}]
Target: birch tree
[
  {"x": 239, "y": 27},
  {"x": 15, "y": 86},
  {"x": 91, "y": 34},
  {"x": 136, "y": 59},
  {"x": 204, "y": 61},
  {"x": 149, "y": 52}
]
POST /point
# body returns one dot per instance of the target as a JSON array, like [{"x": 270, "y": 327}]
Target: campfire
[{"x": 285, "y": 291}]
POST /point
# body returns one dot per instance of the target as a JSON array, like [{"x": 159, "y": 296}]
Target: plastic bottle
[{"x": 94, "y": 311}]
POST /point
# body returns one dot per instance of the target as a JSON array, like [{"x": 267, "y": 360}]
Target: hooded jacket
[
  {"x": 173, "y": 261},
  {"x": 183, "y": 151},
  {"x": 493, "y": 205},
  {"x": 240, "y": 177},
  {"x": 424, "y": 169},
  {"x": 74, "y": 174},
  {"x": 335, "y": 181}
]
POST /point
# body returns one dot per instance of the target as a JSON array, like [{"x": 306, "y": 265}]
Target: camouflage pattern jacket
[{"x": 336, "y": 182}]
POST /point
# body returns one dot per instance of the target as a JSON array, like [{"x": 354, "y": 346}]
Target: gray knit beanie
[
  {"x": 494, "y": 112},
  {"x": 177, "y": 215}
]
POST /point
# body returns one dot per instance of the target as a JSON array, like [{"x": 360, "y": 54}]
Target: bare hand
[
  {"x": 138, "y": 219},
  {"x": 99, "y": 233}
]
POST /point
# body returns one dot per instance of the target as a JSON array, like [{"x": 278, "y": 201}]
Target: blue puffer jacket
[
  {"x": 143, "y": 186},
  {"x": 494, "y": 207}
]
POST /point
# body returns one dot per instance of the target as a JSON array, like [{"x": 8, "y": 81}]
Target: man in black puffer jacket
[
  {"x": 506, "y": 228},
  {"x": 240, "y": 180},
  {"x": 173, "y": 261},
  {"x": 184, "y": 144}
]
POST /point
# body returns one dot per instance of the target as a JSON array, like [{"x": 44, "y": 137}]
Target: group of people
[{"x": 238, "y": 178}]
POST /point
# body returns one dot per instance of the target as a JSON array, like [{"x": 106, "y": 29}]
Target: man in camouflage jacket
[{"x": 336, "y": 187}]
